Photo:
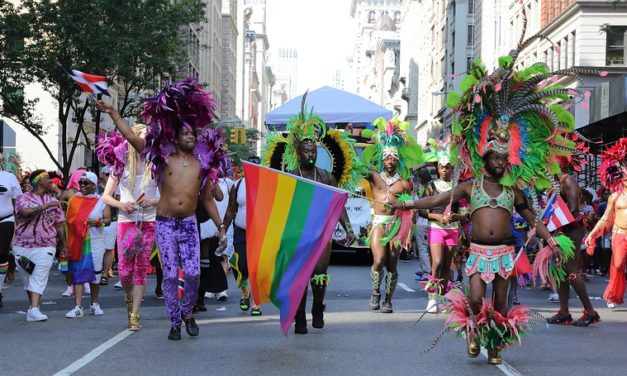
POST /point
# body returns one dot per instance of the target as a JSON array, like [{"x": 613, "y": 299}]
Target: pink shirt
[{"x": 39, "y": 230}]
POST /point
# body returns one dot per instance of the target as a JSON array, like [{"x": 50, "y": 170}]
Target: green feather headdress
[
  {"x": 390, "y": 139},
  {"x": 520, "y": 114},
  {"x": 442, "y": 152}
]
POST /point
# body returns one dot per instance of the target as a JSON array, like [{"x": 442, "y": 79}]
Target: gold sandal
[
  {"x": 473, "y": 349},
  {"x": 494, "y": 356},
  {"x": 129, "y": 308},
  {"x": 133, "y": 322}
]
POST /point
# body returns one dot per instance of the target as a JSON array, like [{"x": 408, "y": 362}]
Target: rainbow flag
[{"x": 289, "y": 222}]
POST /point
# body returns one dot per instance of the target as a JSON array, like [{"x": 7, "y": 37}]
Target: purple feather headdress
[
  {"x": 187, "y": 103},
  {"x": 111, "y": 152}
]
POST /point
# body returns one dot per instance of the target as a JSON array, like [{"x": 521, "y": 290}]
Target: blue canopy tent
[{"x": 332, "y": 105}]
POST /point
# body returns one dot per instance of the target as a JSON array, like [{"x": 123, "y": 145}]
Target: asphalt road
[{"x": 354, "y": 341}]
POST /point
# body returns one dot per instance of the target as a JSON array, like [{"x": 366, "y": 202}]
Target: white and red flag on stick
[
  {"x": 556, "y": 213},
  {"x": 89, "y": 83}
]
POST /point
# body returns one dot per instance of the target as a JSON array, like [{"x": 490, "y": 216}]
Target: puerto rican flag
[
  {"x": 556, "y": 213},
  {"x": 90, "y": 83}
]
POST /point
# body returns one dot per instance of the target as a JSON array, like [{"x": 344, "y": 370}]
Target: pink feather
[
  {"x": 541, "y": 264},
  {"x": 514, "y": 146},
  {"x": 483, "y": 138}
]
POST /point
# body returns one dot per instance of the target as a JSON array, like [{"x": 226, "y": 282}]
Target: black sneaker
[
  {"x": 159, "y": 294},
  {"x": 175, "y": 333},
  {"x": 191, "y": 327},
  {"x": 405, "y": 257},
  {"x": 1, "y": 302}
]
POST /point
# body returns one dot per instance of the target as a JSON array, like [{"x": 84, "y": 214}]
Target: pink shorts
[
  {"x": 135, "y": 243},
  {"x": 449, "y": 237}
]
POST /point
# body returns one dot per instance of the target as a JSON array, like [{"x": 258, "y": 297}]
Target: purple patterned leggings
[{"x": 178, "y": 242}]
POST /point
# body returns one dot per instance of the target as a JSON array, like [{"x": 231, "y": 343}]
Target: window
[
  {"x": 565, "y": 52},
  {"x": 468, "y": 62},
  {"x": 558, "y": 55},
  {"x": 471, "y": 36},
  {"x": 371, "y": 16},
  {"x": 471, "y": 7},
  {"x": 453, "y": 68},
  {"x": 397, "y": 16},
  {"x": 453, "y": 40},
  {"x": 615, "y": 47},
  {"x": 573, "y": 37}
]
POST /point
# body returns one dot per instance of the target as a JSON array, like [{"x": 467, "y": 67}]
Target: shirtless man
[
  {"x": 617, "y": 209},
  {"x": 307, "y": 156},
  {"x": 491, "y": 207},
  {"x": 177, "y": 231},
  {"x": 385, "y": 187},
  {"x": 570, "y": 192}
]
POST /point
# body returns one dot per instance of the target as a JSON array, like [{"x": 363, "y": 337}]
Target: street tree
[{"x": 136, "y": 44}]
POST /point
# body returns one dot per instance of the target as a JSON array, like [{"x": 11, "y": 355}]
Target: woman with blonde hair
[{"x": 137, "y": 207}]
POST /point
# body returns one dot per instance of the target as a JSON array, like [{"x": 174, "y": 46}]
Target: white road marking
[
  {"x": 93, "y": 354},
  {"x": 505, "y": 367},
  {"x": 404, "y": 287}
]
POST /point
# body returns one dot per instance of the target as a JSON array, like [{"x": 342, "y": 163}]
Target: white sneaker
[
  {"x": 68, "y": 292},
  {"x": 222, "y": 296},
  {"x": 432, "y": 306},
  {"x": 74, "y": 313},
  {"x": 96, "y": 310},
  {"x": 610, "y": 305},
  {"x": 118, "y": 285},
  {"x": 34, "y": 314},
  {"x": 87, "y": 288},
  {"x": 210, "y": 295},
  {"x": 554, "y": 298}
]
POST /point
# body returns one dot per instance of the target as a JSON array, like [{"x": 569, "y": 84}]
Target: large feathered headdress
[
  {"x": 184, "y": 104},
  {"x": 514, "y": 113},
  {"x": 442, "y": 152},
  {"x": 391, "y": 140},
  {"x": 613, "y": 168},
  {"x": 281, "y": 152}
]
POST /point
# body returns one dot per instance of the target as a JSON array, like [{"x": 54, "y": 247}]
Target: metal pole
[{"x": 94, "y": 157}]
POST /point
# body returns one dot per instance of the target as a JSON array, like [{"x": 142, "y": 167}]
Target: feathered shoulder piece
[
  {"x": 614, "y": 166},
  {"x": 183, "y": 104},
  {"x": 514, "y": 113},
  {"x": 390, "y": 139},
  {"x": 442, "y": 152},
  {"x": 111, "y": 151}
]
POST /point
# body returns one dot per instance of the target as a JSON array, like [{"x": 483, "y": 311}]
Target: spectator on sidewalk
[
  {"x": 9, "y": 191},
  {"x": 87, "y": 215},
  {"x": 39, "y": 228}
]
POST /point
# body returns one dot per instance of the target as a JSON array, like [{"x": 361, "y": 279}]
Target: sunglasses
[{"x": 84, "y": 182}]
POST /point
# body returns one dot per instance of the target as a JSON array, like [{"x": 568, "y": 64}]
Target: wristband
[
  {"x": 551, "y": 242},
  {"x": 222, "y": 225}
]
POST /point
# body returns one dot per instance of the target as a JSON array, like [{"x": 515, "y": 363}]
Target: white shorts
[
  {"x": 110, "y": 234},
  {"x": 42, "y": 257}
]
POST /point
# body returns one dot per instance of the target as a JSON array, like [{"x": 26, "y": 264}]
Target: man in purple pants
[{"x": 184, "y": 169}]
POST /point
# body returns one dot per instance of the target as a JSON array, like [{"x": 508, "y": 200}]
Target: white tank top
[
  {"x": 150, "y": 191},
  {"x": 240, "y": 216}
]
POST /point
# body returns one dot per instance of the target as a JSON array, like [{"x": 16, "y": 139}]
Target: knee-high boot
[
  {"x": 375, "y": 299},
  {"x": 391, "y": 279},
  {"x": 319, "y": 284}
]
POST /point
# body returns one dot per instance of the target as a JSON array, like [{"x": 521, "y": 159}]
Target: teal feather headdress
[{"x": 390, "y": 139}]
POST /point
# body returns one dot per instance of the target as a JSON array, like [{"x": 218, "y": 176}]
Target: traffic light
[
  {"x": 238, "y": 135},
  {"x": 242, "y": 135}
]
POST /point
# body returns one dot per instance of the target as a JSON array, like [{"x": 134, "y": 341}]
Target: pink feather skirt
[{"x": 490, "y": 260}]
